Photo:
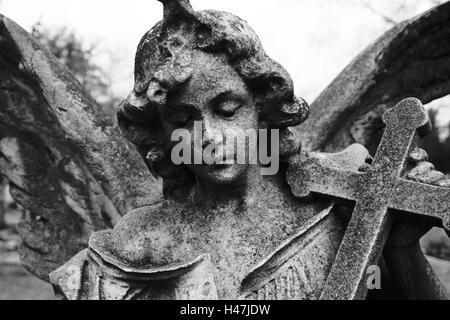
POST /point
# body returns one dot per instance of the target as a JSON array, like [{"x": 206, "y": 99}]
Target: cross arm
[
  {"x": 422, "y": 199},
  {"x": 316, "y": 175}
]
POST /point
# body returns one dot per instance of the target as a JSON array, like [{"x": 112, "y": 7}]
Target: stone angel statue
[{"x": 110, "y": 216}]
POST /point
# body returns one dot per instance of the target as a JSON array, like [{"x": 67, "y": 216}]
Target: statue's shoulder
[
  {"x": 143, "y": 238},
  {"x": 130, "y": 261},
  {"x": 350, "y": 158}
]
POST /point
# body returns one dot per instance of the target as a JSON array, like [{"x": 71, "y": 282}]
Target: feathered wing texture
[
  {"x": 410, "y": 60},
  {"x": 67, "y": 162}
]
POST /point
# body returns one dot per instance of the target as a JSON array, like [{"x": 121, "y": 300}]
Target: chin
[{"x": 222, "y": 174}]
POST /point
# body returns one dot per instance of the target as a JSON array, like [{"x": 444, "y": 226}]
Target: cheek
[
  {"x": 247, "y": 118},
  {"x": 245, "y": 124}
]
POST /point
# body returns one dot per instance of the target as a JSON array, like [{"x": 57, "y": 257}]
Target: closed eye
[
  {"x": 227, "y": 108},
  {"x": 226, "y": 104}
]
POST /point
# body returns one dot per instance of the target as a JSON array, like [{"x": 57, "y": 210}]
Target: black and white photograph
[{"x": 242, "y": 151}]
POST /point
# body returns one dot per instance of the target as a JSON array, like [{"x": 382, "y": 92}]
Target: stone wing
[
  {"x": 410, "y": 60},
  {"x": 67, "y": 162}
]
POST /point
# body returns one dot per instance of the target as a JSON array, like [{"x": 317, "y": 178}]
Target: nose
[{"x": 212, "y": 132}]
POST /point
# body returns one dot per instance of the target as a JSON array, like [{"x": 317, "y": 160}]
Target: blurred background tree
[
  {"x": 437, "y": 145},
  {"x": 2, "y": 202}
]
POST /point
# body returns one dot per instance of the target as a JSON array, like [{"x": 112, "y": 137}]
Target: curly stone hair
[{"x": 163, "y": 63}]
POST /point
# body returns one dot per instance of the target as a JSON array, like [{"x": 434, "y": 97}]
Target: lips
[{"x": 227, "y": 159}]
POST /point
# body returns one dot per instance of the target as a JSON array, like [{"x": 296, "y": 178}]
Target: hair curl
[{"x": 163, "y": 63}]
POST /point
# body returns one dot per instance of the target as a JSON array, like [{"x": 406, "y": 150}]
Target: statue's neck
[{"x": 245, "y": 188}]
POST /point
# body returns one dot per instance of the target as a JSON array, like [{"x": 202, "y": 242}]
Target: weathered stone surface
[{"x": 375, "y": 191}]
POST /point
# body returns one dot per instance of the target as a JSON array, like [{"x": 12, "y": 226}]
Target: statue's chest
[
  {"x": 299, "y": 267},
  {"x": 278, "y": 258},
  {"x": 233, "y": 257}
]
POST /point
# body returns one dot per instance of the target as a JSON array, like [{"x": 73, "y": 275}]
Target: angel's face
[{"x": 216, "y": 102}]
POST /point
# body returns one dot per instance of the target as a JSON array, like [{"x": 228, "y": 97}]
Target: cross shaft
[{"x": 376, "y": 192}]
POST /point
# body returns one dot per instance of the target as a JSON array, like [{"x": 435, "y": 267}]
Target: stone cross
[{"x": 379, "y": 193}]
